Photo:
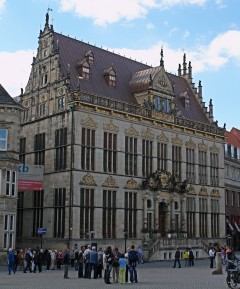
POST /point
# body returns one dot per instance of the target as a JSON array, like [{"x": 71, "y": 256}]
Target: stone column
[
  {"x": 197, "y": 235},
  {"x": 183, "y": 215},
  {"x": 145, "y": 197},
  {"x": 156, "y": 225}
]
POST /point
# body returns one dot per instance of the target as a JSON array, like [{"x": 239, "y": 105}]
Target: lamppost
[{"x": 125, "y": 232}]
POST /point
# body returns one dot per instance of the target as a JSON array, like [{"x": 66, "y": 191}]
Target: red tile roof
[{"x": 233, "y": 137}]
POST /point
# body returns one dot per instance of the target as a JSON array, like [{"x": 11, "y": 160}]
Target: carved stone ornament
[
  {"x": 191, "y": 190},
  {"x": 132, "y": 185},
  {"x": 88, "y": 180},
  {"x": 110, "y": 182},
  {"x": 162, "y": 138},
  {"x": 214, "y": 149},
  {"x": 111, "y": 127},
  {"x": 190, "y": 144},
  {"x": 148, "y": 134},
  {"x": 61, "y": 91},
  {"x": 177, "y": 140},
  {"x": 203, "y": 192},
  {"x": 89, "y": 123},
  {"x": 215, "y": 193},
  {"x": 131, "y": 132},
  {"x": 202, "y": 147}
]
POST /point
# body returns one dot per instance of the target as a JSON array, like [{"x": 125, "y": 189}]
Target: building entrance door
[{"x": 163, "y": 209}]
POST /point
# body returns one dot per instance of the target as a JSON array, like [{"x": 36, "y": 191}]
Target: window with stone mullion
[
  {"x": 109, "y": 214},
  {"x": 59, "y": 213},
  {"x": 130, "y": 214},
  {"x": 190, "y": 165},
  {"x": 88, "y": 149},
  {"x": 215, "y": 218},
  {"x": 86, "y": 221},
  {"x": 177, "y": 161},
  {"x": 61, "y": 149},
  {"x": 110, "y": 153},
  {"x": 203, "y": 221},
  {"x": 202, "y": 167},
  {"x": 214, "y": 169},
  {"x": 147, "y": 157},
  {"x": 162, "y": 156},
  {"x": 130, "y": 156},
  {"x": 38, "y": 197},
  {"x": 39, "y": 149},
  {"x": 191, "y": 215}
]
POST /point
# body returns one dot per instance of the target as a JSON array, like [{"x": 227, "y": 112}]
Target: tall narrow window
[
  {"x": 177, "y": 161},
  {"x": 215, "y": 218},
  {"x": 110, "y": 153},
  {"x": 86, "y": 212},
  {"x": 88, "y": 149},
  {"x": 61, "y": 149},
  {"x": 38, "y": 197},
  {"x": 162, "y": 156},
  {"x": 22, "y": 151},
  {"x": 147, "y": 157},
  {"x": 61, "y": 102},
  {"x": 131, "y": 156},
  {"x": 202, "y": 167},
  {"x": 59, "y": 213},
  {"x": 3, "y": 139},
  {"x": 203, "y": 221},
  {"x": 109, "y": 214},
  {"x": 11, "y": 189},
  {"x": 39, "y": 149},
  {"x": 190, "y": 165},
  {"x": 191, "y": 212},
  {"x": 20, "y": 206},
  {"x": 9, "y": 231},
  {"x": 130, "y": 214},
  {"x": 214, "y": 169}
]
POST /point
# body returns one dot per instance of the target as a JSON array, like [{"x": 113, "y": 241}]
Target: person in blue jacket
[{"x": 11, "y": 260}]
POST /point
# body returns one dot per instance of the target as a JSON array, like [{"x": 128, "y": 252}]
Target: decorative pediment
[
  {"x": 177, "y": 140},
  {"x": 110, "y": 182},
  {"x": 191, "y": 190},
  {"x": 161, "y": 81},
  {"x": 88, "y": 180},
  {"x": 132, "y": 185},
  {"x": 214, "y": 149},
  {"x": 89, "y": 123},
  {"x": 131, "y": 132},
  {"x": 148, "y": 134},
  {"x": 162, "y": 138},
  {"x": 190, "y": 144},
  {"x": 111, "y": 127},
  {"x": 203, "y": 192},
  {"x": 202, "y": 147},
  {"x": 215, "y": 193}
]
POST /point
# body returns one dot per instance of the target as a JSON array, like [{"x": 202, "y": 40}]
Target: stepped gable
[
  {"x": 5, "y": 98},
  {"x": 195, "y": 112},
  {"x": 72, "y": 51}
]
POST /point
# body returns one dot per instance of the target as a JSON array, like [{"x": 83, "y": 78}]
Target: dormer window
[
  {"x": 110, "y": 77},
  {"x": 84, "y": 69},
  {"x": 90, "y": 57},
  {"x": 185, "y": 99}
]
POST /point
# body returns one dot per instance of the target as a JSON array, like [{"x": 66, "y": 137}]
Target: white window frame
[
  {"x": 3, "y": 139},
  {"x": 9, "y": 231},
  {"x": 11, "y": 183}
]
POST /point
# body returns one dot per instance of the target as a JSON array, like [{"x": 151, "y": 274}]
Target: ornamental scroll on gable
[
  {"x": 111, "y": 127},
  {"x": 88, "y": 180},
  {"x": 215, "y": 193},
  {"x": 203, "y": 192},
  {"x": 132, "y": 185},
  {"x": 131, "y": 132},
  {"x": 162, "y": 138},
  {"x": 164, "y": 181},
  {"x": 110, "y": 182},
  {"x": 148, "y": 134},
  {"x": 89, "y": 123}
]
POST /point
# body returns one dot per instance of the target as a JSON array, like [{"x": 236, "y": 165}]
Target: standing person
[
  {"x": 223, "y": 254},
  {"x": 59, "y": 258},
  {"x": 127, "y": 266},
  {"x": 132, "y": 261},
  {"x": 122, "y": 269},
  {"x": 108, "y": 264},
  {"x": 140, "y": 255},
  {"x": 93, "y": 260},
  {"x": 20, "y": 260},
  {"x": 115, "y": 272},
  {"x": 48, "y": 259},
  {"x": 191, "y": 257},
  {"x": 186, "y": 257},
  {"x": 10, "y": 261},
  {"x": 211, "y": 254},
  {"x": 80, "y": 261},
  {"x": 100, "y": 262},
  {"x": 86, "y": 260},
  {"x": 28, "y": 259},
  {"x": 66, "y": 262},
  {"x": 177, "y": 259}
]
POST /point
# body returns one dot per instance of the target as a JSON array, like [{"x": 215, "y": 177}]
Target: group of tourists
[
  {"x": 89, "y": 262},
  {"x": 188, "y": 257}
]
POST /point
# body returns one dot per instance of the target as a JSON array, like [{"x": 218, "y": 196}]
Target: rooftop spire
[
  {"x": 161, "y": 61},
  {"x": 184, "y": 64}
]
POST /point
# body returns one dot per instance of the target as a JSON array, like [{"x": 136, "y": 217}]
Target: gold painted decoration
[
  {"x": 162, "y": 138},
  {"x": 215, "y": 193},
  {"x": 131, "y": 132},
  {"x": 132, "y": 185},
  {"x": 203, "y": 192},
  {"x": 89, "y": 123},
  {"x": 190, "y": 144},
  {"x": 88, "y": 180},
  {"x": 148, "y": 134},
  {"x": 177, "y": 140},
  {"x": 111, "y": 127},
  {"x": 191, "y": 190},
  {"x": 110, "y": 182},
  {"x": 202, "y": 147},
  {"x": 214, "y": 149}
]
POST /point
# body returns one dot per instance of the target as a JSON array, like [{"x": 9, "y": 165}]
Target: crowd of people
[{"x": 88, "y": 261}]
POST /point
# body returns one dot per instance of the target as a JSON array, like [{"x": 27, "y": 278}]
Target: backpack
[{"x": 132, "y": 256}]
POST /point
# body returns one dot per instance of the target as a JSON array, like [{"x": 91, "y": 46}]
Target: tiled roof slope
[
  {"x": 5, "y": 98},
  {"x": 72, "y": 51},
  {"x": 233, "y": 137}
]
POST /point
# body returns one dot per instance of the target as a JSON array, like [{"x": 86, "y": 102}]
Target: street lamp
[{"x": 125, "y": 239}]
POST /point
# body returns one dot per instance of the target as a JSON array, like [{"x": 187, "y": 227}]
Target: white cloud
[
  {"x": 186, "y": 34},
  {"x": 17, "y": 66},
  {"x": 150, "y": 26},
  {"x": 2, "y": 4}
]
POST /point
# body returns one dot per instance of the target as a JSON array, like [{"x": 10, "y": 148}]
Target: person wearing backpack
[
  {"x": 115, "y": 272},
  {"x": 191, "y": 257},
  {"x": 133, "y": 261}
]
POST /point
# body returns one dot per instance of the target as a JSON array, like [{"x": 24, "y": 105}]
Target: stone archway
[{"x": 163, "y": 209}]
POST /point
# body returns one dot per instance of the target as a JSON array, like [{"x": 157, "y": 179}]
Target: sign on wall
[{"x": 30, "y": 177}]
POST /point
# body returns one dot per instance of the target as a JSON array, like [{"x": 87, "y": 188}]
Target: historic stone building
[
  {"x": 131, "y": 152},
  {"x": 232, "y": 187},
  {"x": 10, "y": 113}
]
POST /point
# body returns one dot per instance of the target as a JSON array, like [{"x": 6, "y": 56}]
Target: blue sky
[{"x": 208, "y": 31}]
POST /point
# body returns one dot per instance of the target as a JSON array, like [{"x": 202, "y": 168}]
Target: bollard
[{"x": 218, "y": 269}]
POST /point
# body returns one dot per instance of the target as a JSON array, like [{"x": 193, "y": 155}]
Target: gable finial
[
  {"x": 161, "y": 61},
  {"x": 184, "y": 64}
]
